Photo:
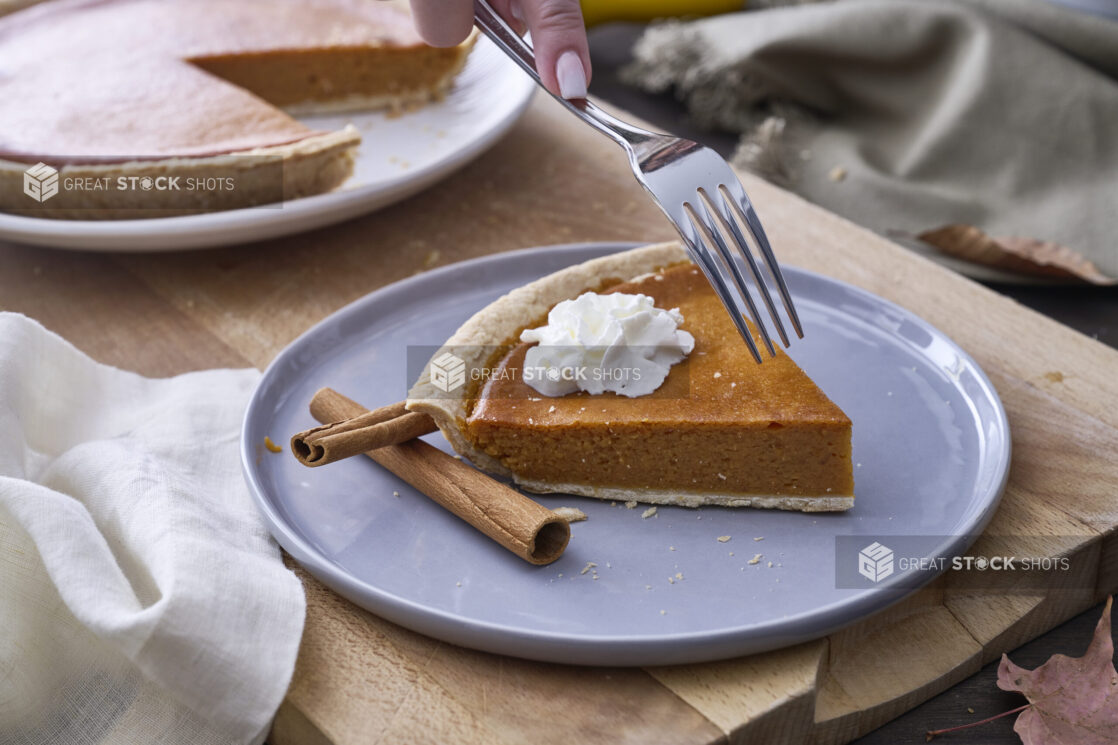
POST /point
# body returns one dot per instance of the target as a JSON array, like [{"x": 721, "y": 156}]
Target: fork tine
[
  {"x": 728, "y": 221},
  {"x": 744, "y": 209},
  {"x": 705, "y": 260},
  {"x": 714, "y": 236}
]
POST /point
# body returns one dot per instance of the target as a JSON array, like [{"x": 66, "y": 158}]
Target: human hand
[{"x": 558, "y": 35}]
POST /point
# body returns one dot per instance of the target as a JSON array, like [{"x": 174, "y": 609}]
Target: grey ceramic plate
[{"x": 930, "y": 440}]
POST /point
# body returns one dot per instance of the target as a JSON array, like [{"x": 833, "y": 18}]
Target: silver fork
[{"x": 696, "y": 189}]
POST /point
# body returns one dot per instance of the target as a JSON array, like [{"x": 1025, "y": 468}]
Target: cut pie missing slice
[
  {"x": 151, "y": 107},
  {"x": 720, "y": 430}
]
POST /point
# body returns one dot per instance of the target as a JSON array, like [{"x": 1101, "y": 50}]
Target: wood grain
[{"x": 360, "y": 679}]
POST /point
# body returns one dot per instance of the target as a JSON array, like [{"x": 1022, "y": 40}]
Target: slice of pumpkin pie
[{"x": 703, "y": 424}]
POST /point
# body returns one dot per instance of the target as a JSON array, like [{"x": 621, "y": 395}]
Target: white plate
[{"x": 399, "y": 156}]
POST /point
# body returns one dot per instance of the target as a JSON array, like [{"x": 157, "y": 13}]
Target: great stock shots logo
[
  {"x": 40, "y": 182},
  {"x": 875, "y": 562},
  {"x": 1035, "y": 563},
  {"x": 448, "y": 372},
  {"x": 179, "y": 188}
]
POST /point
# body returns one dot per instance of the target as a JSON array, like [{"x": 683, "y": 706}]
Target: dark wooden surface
[{"x": 1092, "y": 311}]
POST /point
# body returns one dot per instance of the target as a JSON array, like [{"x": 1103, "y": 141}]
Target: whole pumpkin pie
[
  {"x": 104, "y": 90},
  {"x": 719, "y": 430}
]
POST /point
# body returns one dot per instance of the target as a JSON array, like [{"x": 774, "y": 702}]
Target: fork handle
[{"x": 493, "y": 26}]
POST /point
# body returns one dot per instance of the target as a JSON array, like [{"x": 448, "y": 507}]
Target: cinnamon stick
[
  {"x": 388, "y": 425},
  {"x": 529, "y": 530}
]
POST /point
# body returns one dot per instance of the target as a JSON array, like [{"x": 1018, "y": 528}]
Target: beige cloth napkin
[
  {"x": 142, "y": 600},
  {"x": 909, "y": 115}
]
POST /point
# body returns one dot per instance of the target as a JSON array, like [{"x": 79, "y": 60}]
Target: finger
[
  {"x": 516, "y": 16},
  {"x": 559, "y": 39},
  {"x": 443, "y": 23},
  {"x": 510, "y": 10}
]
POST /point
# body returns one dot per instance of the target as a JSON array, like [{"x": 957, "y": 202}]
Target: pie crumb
[
  {"x": 755, "y": 560},
  {"x": 723, "y": 538},
  {"x": 570, "y": 514},
  {"x": 663, "y": 613},
  {"x": 722, "y": 477},
  {"x": 838, "y": 173},
  {"x": 759, "y": 538},
  {"x": 648, "y": 513},
  {"x": 631, "y": 504},
  {"x": 770, "y": 565},
  {"x": 589, "y": 565},
  {"x": 395, "y": 493},
  {"x": 679, "y": 575},
  {"x": 717, "y": 374}
]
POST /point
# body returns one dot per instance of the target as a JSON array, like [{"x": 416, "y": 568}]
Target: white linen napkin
[{"x": 141, "y": 597}]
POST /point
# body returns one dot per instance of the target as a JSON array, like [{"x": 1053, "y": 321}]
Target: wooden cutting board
[{"x": 360, "y": 679}]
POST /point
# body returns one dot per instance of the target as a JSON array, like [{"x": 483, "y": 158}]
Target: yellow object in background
[{"x": 603, "y": 11}]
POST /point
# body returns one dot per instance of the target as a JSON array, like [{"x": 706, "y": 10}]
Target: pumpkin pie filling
[{"x": 128, "y": 80}]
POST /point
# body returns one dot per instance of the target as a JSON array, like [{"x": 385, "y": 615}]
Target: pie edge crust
[
  {"x": 313, "y": 165},
  {"x": 496, "y": 323}
]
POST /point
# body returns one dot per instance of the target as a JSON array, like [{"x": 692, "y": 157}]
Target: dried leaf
[
  {"x": 1074, "y": 699},
  {"x": 1024, "y": 255}
]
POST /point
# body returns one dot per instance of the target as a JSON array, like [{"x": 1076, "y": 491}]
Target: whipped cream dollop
[{"x": 596, "y": 343}]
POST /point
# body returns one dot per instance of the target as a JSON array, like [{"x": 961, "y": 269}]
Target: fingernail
[{"x": 571, "y": 75}]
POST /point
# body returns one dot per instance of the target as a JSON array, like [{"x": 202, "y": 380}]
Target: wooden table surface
[{"x": 360, "y": 679}]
